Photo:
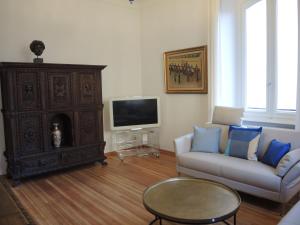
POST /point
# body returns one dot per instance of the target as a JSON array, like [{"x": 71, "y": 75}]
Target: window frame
[{"x": 270, "y": 114}]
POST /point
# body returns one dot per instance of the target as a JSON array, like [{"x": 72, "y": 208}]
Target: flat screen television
[{"x": 134, "y": 112}]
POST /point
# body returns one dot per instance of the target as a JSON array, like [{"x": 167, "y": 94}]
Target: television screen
[{"x": 130, "y": 113}]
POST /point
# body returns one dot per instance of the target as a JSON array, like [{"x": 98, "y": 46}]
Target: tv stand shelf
[{"x": 141, "y": 142}]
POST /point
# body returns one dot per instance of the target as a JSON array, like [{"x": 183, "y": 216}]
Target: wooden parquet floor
[
  {"x": 112, "y": 195},
  {"x": 9, "y": 212}
]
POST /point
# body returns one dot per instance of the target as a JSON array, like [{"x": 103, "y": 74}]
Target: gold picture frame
[{"x": 186, "y": 70}]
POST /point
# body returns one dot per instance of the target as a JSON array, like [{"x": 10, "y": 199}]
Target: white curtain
[
  {"x": 230, "y": 48},
  {"x": 225, "y": 74},
  {"x": 298, "y": 82},
  {"x": 214, "y": 59}
]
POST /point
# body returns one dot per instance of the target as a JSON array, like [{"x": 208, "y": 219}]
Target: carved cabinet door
[
  {"x": 87, "y": 88},
  {"x": 88, "y": 127},
  {"x": 28, "y": 90},
  {"x": 30, "y": 133},
  {"x": 59, "y": 89}
]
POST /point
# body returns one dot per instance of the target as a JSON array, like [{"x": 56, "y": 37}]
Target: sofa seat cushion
[
  {"x": 202, "y": 161},
  {"x": 253, "y": 173}
]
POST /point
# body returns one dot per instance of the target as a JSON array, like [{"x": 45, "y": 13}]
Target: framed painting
[{"x": 186, "y": 70}]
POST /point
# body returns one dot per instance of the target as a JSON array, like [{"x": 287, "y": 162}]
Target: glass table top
[{"x": 191, "y": 200}]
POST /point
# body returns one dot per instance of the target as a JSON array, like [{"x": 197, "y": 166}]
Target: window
[
  {"x": 256, "y": 55},
  {"x": 287, "y": 50},
  {"x": 271, "y": 56}
]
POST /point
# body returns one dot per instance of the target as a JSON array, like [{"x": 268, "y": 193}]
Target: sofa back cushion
[
  {"x": 282, "y": 135},
  {"x": 227, "y": 115}
]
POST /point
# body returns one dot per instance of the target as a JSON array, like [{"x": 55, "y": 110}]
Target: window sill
[{"x": 287, "y": 121}]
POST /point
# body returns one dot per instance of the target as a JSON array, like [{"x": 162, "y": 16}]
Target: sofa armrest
[
  {"x": 293, "y": 175},
  {"x": 290, "y": 184},
  {"x": 287, "y": 162},
  {"x": 183, "y": 144}
]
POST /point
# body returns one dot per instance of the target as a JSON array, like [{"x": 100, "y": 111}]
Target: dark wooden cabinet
[{"x": 34, "y": 97}]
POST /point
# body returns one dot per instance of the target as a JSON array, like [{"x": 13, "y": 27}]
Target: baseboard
[
  {"x": 162, "y": 151},
  {"x": 167, "y": 152}
]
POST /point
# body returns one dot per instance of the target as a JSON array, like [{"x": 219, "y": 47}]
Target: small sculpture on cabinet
[{"x": 37, "y": 47}]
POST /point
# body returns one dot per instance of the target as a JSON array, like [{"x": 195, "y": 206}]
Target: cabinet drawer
[
  {"x": 91, "y": 153},
  {"x": 37, "y": 165},
  {"x": 71, "y": 157},
  {"x": 82, "y": 155}
]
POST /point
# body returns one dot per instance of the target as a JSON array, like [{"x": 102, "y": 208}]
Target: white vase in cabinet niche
[{"x": 56, "y": 135}]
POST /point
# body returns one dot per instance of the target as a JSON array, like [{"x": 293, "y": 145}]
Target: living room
[{"x": 130, "y": 39}]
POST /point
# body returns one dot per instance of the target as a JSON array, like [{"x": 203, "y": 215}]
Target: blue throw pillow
[
  {"x": 243, "y": 142},
  {"x": 275, "y": 152},
  {"x": 206, "y": 140}
]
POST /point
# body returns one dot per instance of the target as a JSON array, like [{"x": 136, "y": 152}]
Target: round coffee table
[{"x": 191, "y": 201}]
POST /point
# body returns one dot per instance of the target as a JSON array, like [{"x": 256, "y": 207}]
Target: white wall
[
  {"x": 105, "y": 32},
  {"x": 171, "y": 25},
  {"x": 130, "y": 39}
]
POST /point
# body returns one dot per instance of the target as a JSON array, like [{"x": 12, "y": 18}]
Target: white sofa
[
  {"x": 292, "y": 217},
  {"x": 252, "y": 177}
]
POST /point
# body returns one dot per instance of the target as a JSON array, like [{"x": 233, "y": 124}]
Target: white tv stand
[{"x": 136, "y": 142}]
